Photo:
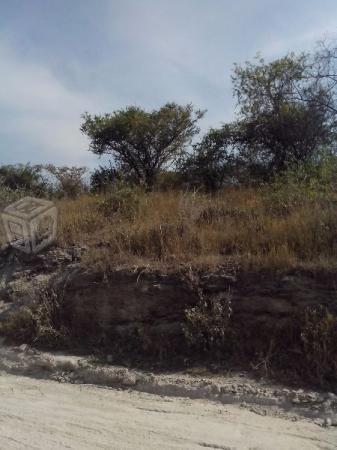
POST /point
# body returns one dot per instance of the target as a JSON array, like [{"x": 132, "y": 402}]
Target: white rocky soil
[
  {"x": 70, "y": 402},
  {"x": 42, "y": 414}
]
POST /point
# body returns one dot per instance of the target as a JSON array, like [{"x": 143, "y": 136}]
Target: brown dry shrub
[
  {"x": 44, "y": 322},
  {"x": 194, "y": 227}
]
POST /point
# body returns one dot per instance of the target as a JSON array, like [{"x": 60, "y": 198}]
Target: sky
[{"x": 60, "y": 58}]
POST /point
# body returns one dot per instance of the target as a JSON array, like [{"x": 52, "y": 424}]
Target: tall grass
[{"x": 243, "y": 226}]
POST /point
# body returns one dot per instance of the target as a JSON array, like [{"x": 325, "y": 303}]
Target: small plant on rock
[{"x": 207, "y": 327}]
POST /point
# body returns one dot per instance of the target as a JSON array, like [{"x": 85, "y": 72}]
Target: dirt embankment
[
  {"x": 105, "y": 301},
  {"x": 276, "y": 322}
]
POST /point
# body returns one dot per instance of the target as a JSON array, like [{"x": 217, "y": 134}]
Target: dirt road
[{"x": 41, "y": 414}]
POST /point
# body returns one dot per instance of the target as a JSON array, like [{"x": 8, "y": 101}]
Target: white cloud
[
  {"x": 305, "y": 40},
  {"x": 36, "y": 106}
]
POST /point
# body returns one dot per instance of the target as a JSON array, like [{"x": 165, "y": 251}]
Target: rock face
[
  {"x": 274, "y": 297},
  {"x": 21, "y": 274},
  {"x": 98, "y": 306},
  {"x": 99, "y": 303}
]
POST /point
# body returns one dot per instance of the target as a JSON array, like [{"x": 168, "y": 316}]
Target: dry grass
[{"x": 172, "y": 228}]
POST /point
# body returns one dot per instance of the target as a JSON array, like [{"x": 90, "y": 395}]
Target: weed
[{"x": 43, "y": 322}]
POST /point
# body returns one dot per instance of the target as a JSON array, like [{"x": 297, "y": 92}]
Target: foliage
[
  {"x": 168, "y": 180},
  {"x": 25, "y": 178},
  {"x": 122, "y": 200},
  {"x": 211, "y": 163},
  {"x": 319, "y": 343},
  {"x": 310, "y": 181},
  {"x": 70, "y": 179},
  {"x": 8, "y": 195},
  {"x": 141, "y": 142},
  {"x": 287, "y": 112},
  {"x": 207, "y": 328},
  {"x": 103, "y": 178},
  {"x": 43, "y": 322}
]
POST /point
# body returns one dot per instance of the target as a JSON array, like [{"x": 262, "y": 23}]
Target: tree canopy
[
  {"x": 286, "y": 109},
  {"x": 141, "y": 142},
  {"x": 211, "y": 162},
  {"x": 286, "y": 115}
]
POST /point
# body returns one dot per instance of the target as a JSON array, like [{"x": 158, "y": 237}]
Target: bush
[
  {"x": 25, "y": 178},
  {"x": 168, "y": 180},
  {"x": 70, "y": 180},
  {"x": 301, "y": 184},
  {"x": 8, "y": 195},
  {"x": 208, "y": 328},
  {"x": 304, "y": 347},
  {"x": 103, "y": 179},
  {"x": 122, "y": 200},
  {"x": 319, "y": 343},
  {"x": 42, "y": 323}
]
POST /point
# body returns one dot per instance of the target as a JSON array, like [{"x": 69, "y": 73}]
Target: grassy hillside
[{"x": 250, "y": 227}]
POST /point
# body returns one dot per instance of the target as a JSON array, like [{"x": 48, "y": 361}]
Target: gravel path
[{"x": 43, "y": 414}]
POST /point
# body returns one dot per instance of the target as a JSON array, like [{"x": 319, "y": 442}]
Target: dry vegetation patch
[{"x": 128, "y": 227}]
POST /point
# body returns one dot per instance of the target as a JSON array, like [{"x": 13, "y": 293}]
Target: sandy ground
[{"x": 43, "y": 414}]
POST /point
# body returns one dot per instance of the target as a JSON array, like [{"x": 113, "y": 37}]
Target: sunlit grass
[{"x": 192, "y": 228}]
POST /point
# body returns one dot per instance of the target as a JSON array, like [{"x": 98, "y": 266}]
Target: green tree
[
  {"x": 104, "y": 178},
  {"x": 287, "y": 111},
  {"x": 25, "y": 177},
  {"x": 212, "y": 161},
  {"x": 70, "y": 180},
  {"x": 141, "y": 143}
]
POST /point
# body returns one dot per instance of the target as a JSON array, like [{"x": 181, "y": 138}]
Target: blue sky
[{"x": 59, "y": 58}]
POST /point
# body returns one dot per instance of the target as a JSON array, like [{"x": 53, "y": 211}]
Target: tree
[
  {"x": 212, "y": 161},
  {"x": 70, "y": 179},
  {"x": 26, "y": 177},
  {"x": 287, "y": 110},
  {"x": 140, "y": 142},
  {"x": 103, "y": 178},
  {"x": 322, "y": 69}
]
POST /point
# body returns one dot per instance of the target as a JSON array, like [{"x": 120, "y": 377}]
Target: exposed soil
[
  {"x": 267, "y": 397},
  {"x": 187, "y": 409},
  {"x": 281, "y": 322},
  {"x": 42, "y": 414}
]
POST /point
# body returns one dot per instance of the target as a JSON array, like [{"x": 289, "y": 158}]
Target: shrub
[
  {"x": 103, "y": 179},
  {"x": 19, "y": 326},
  {"x": 24, "y": 178},
  {"x": 208, "y": 324},
  {"x": 43, "y": 322},
  {"x": 208, "y": 327},
  {"x": 319, "y": 344},
  {"x": 301, "y": 347},
  {"x": 302, "y": 184},
  {"x": 8, "y": 195},
  {"x": 70, "y": 180},
  {"x": 168, "y": 180},
  {"x": 122, "y": 200}
]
